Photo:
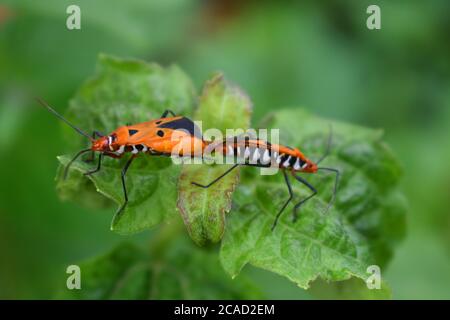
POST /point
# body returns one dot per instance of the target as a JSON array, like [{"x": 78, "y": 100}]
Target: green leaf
[
  {"x": 222, "y": 106},
  {"x": 182, "y": 272},
  {"x": 361, "y": 228},
  {"x": 121, "y": 92}
]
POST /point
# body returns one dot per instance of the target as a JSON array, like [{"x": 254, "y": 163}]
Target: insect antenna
[
  {"x": 45, "y": 105},
  {"x": 336, "y": 182},
  {"x": 327, "y": 151}
]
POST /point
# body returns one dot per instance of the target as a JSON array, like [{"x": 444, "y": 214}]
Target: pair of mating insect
[{"x": 167, "y": 136}]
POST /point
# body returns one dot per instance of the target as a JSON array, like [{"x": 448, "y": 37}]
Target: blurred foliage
[
  {"x": 180, "y": 271},
  {"x": 316, "y": 54}
]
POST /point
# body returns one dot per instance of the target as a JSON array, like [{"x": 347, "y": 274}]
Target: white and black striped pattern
[
  {"x": 134, "y": 149},
  {"x": 263, "y": 157}
]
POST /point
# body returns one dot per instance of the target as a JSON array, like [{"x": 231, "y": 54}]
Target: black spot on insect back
[
  {"x": 132, "y": 132},
  {"x": 184, "y": 124}
]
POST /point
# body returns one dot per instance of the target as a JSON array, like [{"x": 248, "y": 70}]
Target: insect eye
[{"x": 160, "y": 133}]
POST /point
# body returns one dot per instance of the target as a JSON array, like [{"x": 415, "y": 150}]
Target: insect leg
[
  {"x": 165, "y": 113},
  {"x": 298, "y": 205},
  {"x": 124, "y": 172},
  {"x": 216, "y": 179},
  {"x": 286, "y": 178},
  {"x": 66, "y": 170},
  {"x": 99, "y": 165}
]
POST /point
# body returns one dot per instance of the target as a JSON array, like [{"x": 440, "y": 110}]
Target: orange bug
[
  {"x": 176, "y": 135},
  {"x": 161, "y": 137},
  {"x": 263, "y": 154}
]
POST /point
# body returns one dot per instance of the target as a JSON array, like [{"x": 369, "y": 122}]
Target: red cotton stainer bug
[
  {"x": 167, "y": 136},
  {"x": 263, "y": 154}
]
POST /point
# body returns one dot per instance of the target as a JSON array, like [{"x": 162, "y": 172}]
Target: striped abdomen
[{"x": 263, "y": 154}]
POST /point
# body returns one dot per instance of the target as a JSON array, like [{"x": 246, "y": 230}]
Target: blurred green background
[{"x": 317, "y": 55}]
